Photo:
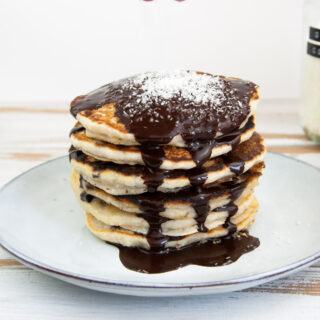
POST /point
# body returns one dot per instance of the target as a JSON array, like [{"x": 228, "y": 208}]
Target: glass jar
[{"x": 310, "y": 110}]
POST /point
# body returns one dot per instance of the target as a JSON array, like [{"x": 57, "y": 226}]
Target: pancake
[
  {"x": 128, "y": 238},
  {"x": 125, "y": 179},
  {"x": 157, "y": 107},
  {"x": 174, "y": 157},
  {"x": 175, "y": 205}
]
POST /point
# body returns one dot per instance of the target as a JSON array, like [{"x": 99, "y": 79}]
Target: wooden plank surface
[{"x": 35, "y": 132}]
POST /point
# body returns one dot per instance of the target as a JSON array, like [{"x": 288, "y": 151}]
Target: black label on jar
[
  {"x": 314, "y": 34},
  {"x": 313, "y": 50}
]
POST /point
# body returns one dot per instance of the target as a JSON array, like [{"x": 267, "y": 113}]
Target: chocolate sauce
[
  {"x": 153, "y": 117},
  {"x": 157, "y": 107},
  {"x": 156, "y": 238},
  {"x": 200, "y": 150},
  {"x": 236, "y": 167},
  {"x": 232, "y": 209},
  {"x": 81, "y": 181},
  {"x": 151, "y": 207},
  {"x": 152, "y": 155},
  {"x": 202, "y": 213},
  {"x": 200, "y": 199},
  {"x": 209, "y": 254},
  {"x": 75, "y": 129},
  {"x": 86, "y": 197},
  {"x": 200, "y": 202}
]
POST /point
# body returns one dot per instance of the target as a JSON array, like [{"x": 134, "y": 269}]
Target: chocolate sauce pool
[
  {"x": 195, "y": 106},
  {"x": 210, "y": 254}
]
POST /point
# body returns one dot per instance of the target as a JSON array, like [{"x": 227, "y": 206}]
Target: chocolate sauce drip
[
  {"x": 202, "y": 213},
  {"x": 231, "y": 227},
  {"x": 86, "y": 197},
  {"x": 152, "y": 179},
  {"x": 152, "y": 156},
  {"x": 236, "y": 167},
  {"x": 81, "y": 182},
  {"x": 235, "y": 188},
  {"x": 151, "y": 208},
  {"x": 75, "y": 129},
  {"x": 209, "y": 254},
  {"x": 197, "y": 177},
  {"x": 155, "y": 237},
  {"x": 232, "y": 209},
  {"x": 200, "y": 150},
  {"x": 200, "y": 199},
  {"x": 76, "y": 154}
]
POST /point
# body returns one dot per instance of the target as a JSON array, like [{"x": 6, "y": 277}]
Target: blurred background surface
[{"x": 55, "y": 50}]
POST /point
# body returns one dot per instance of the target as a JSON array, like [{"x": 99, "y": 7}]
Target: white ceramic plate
[{"x": 42, "y": 225}]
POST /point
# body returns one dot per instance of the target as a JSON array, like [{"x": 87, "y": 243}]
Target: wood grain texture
[
  {"x": 305, "y": 282},
  {"x": 29, "y": 156},
  {"x": 294, "y": 149},
  {"x": 9, "y": 263},
  {"x": 36, "y": 133},
  {"x": 30, "y": 295},
  {"x": 284, "y": 136},
  {"x": 31, "y": 110}
]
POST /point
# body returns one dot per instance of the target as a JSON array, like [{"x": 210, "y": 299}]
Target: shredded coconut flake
[{"x": 182, "y": 85}]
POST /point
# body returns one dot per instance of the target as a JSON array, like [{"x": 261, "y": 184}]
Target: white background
[{"x": 55, "y": 50}]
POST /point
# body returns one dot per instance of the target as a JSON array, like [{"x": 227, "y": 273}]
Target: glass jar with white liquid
[{"x": 310, "y": 110}]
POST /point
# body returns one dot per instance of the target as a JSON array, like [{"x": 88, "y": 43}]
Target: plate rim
[{"x": 57, "y": 272}]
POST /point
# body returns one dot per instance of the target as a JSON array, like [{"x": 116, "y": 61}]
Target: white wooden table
[{"x": 31, "y": 133}]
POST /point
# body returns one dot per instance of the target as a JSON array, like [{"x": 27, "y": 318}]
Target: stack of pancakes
[{"x": 165, "y": 159}]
